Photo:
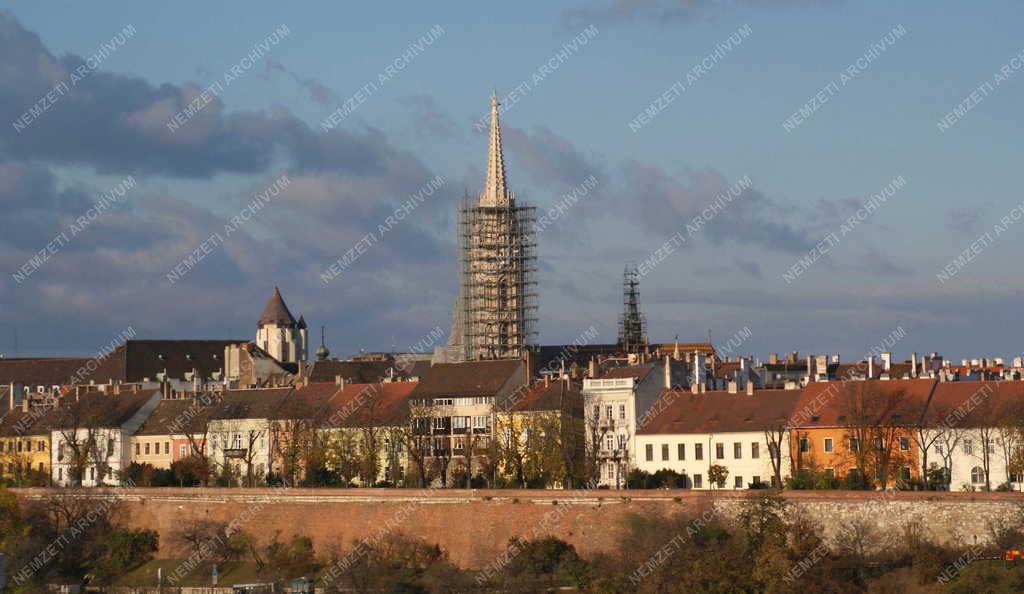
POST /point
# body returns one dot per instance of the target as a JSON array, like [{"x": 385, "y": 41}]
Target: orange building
[{"x": 840, "y": 427}]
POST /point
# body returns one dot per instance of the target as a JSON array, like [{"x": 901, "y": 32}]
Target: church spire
[{"x": 495, "y": 187}]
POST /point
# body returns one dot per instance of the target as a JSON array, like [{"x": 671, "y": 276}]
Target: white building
[
  {"x": 92, "y": 435},
  {"x": 743, "y": 432},
  {"x": 240, "y": 435},
  {"x": 279, "y": 334},
  {"x": 616, "y": 403},
  {"x": 970, "y": 434}
]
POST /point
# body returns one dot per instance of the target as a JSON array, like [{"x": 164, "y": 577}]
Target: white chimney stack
[
  {"x": 871, "y": 367},
  {"x": 668, "y": 373},
  {"x": 913, "y": 364},
  {"x": 886, "y": 362}
]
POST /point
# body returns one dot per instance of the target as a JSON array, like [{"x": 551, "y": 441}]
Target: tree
[
  {"x": 119, "y": 552},
  {"x": 717, "y": 474},
  {"x": 876, "y": 418},
  {"x": 775, "y": 435}
]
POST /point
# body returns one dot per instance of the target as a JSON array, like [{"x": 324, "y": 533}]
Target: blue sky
[{"x": 726, "y": 126}]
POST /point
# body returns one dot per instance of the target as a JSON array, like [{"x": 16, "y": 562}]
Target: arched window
[{"x": 977, "y": 475}]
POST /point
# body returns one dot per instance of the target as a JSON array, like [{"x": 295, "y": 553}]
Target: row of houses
[
  {"x": 714, "y": 423},
  {"x": 367, "y": 432},
  {"x": 963, "y": 435}
]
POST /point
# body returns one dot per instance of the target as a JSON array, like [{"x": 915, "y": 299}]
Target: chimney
[
  {"x": 913, "y": 364},
  {"x": 810, "y": 367},
  {"x": 24, "y": 404},
  {"x": 886, "y": 362},
  {"x": 668, "y": 373},
  {"x": 547, "y": 380},
  {"x": 750, "y": 388},
  {"x": 117, "y": 389},
  {"x": 732, "y": 388},
  {"x": 592, "y": 368},
  {"x": 871, "y": 367},
  {"x": 773, "y": 358},
  {"x": 835, "y": 358}
]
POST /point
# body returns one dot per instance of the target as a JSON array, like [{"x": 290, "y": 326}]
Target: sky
[{"x": 821, "y": 177}]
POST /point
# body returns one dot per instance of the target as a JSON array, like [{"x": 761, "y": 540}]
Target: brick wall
[{"x": 474, "y": 526}]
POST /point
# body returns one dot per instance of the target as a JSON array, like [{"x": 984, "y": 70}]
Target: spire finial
[{"x": 495, "y": 186}]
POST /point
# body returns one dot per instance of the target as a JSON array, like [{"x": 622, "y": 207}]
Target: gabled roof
[
  {"x": 719, "y": 412},
  {"x": 827, "y": 404},
  {"x": 330, "y": 405},
  {"x": 137, "y": 360},
  {"x": 976, "y": 403},
  {"x": 556, "y": 396},
  {"x": 178, "y": 416},
  {"x": 36, "y": 421},
  {"x": 40, "y": 371},
  {"x": 99, "y": 409},
  {"x": 471, "y": 378},
  {"x": 248, "y": 404},
  {"x": 360, "y": 372},
  {"x": 276, "y": 312}
]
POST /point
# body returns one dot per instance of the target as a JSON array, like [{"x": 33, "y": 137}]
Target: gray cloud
[{"x": 664, "y": 12}]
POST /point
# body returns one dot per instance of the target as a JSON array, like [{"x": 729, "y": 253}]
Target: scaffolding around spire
[
  {"x": 496, "y": 312},
  {"x": 632, "y": 324}
]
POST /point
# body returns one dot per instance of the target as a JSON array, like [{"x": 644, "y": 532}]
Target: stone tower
[{"x": 279, "y": 334}]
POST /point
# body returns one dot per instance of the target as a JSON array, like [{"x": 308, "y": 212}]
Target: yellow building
[{"x": 25, "y": 446}]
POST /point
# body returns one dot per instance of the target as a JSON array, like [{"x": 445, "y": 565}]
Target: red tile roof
[
  {"x": 40, "y": 371},
  {"x": 719, "y": 412},
  {"x": 976, "y": 404},
  {"x": 827, "y": 404},
  {"x": 638, "y": 372}
]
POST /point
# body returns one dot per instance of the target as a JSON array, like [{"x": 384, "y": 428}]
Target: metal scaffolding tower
[{"x": 632, "y": 324}]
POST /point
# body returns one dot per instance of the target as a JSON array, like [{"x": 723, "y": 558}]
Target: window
[
  {"x": 878, "y": 444},
  {"x": 649, "y": 452},
  {"x": 459, "y": 443},
  {"x": 622, "y": 442},
  {"x": 905, "y": 473},
  {"x": 854, "y": 444},
  {"x": 438, "y": 425},
  {"x": 597, "y": 412},
  {"x": 608, "y": 412},
  {"x": 904, "y": 444},
  {"x": 756, "y": 480},
  {"x": 698, "y": 481},
  {"x": 609, "y": 443},
  {"x": 147, "y": 448},
  {"x": 991, "y": 447},
  {"x": 664, "y": 451},
  {"x": 482, "y": 422},
  {"x": 938, "y": 448},
  {"x": 110, "y": 448},
  {"x": 460, "y": 422},
  {"x": 755, "y": 451},
  {"x": 698, "y": 452},
  {"x": 137, "y": 446},
  {"x": 719, "y": 451},
  {"x": 20, "y": 446},
  {"x": 60, "y": 474},
  {"x": 968, "y": 449},
  {"x": 830, "y": 472},
  {"x": 739, "y": 482},
  {"x": 622, "y": 412},
  {"x": 828, "y": 444},
  {"x": 681, "y": 451},
  {"x": 977, "y": 475},
  {"x": 805, "y": 445},
  {"x": 40, "y": 467},
  {"x": 181, "y": 450},
  {"x": 42, "y": 446},
  {"x": 737, "y": 450}
]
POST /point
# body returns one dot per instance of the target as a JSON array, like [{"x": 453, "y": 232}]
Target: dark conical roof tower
[{"x": 276, "y": 312}]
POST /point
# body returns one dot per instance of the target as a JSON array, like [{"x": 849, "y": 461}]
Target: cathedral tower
[{"x": 496, "y": 311}]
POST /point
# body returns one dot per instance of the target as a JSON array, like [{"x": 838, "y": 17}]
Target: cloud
[
  {"x": 429, "y": 121},
  {"x": 318, "y": 92},
  {"x": 663, "y": 12},
  {"x": 118, "y": 124},
  {"x": 748, "y": 267},
  {"x": 874, "y": 262}
]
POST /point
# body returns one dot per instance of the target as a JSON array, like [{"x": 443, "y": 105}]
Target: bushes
[{"x": 662, "y": 479}]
